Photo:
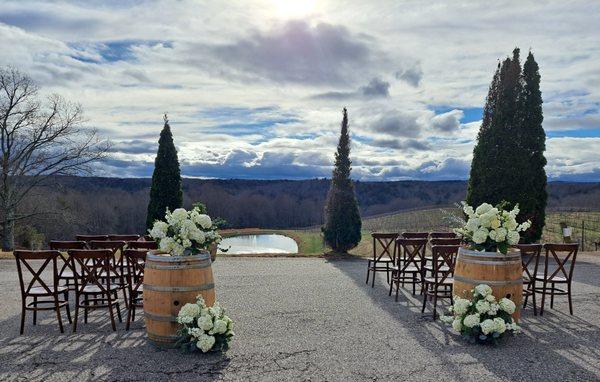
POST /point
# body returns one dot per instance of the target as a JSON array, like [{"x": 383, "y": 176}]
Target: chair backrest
[
  {"x": 136, "y": 262},
  {"x": 442, "y": 235},
  {"x": 142, "y": 245},
  {"x": 88, "y": 238},
  {"x": 530, "y": 255},
  {"x": 66, "y": 245},
  {"x": 443, "y": 260},
  {"x": 383, "y": 244},
  {"x": 563, "y": 258},
  {"x": 410, "y": 252},
  {"x": 415, "y": 235},
  {"x": 33, "y": 278},
  {"x": 123, "y": 237},
  {"x": 445, "y": 241},
  {"x": 113, "y": 245},
  {"x": 94, "y": 268}
]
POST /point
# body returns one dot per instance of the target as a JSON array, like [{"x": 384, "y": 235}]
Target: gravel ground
[{"x": 310, "y": 319}]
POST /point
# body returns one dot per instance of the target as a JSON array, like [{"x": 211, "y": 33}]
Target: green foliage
[
  {"x": 508, "y": 159},
  {"x": 29, "y": 237},
  {"x": 166, "y": 180},
  {"x": 343, "y": 223}
]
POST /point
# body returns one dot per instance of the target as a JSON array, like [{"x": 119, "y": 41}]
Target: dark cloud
[
  {"x": 298, "y": 52},
  {"x": 397, "y": 124},
  {"x": 402, "y": 144},
  {"x": 376, "y": 88},
  {"x": 447, "y": 122},
  {"x": 411, "y": 75},
  {"x": 135, "y": 146}
]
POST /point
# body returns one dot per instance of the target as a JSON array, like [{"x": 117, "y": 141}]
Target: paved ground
[{"x": 310, "y": 319}]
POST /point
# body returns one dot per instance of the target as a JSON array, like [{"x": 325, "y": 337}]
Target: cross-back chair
[
  {"x": 93, "y": 286},
  {"x": 415, "y": 235},
  {"x": 442, "y": 235},
  {"x": 123, "y": 237},
  {"x": 530, "y": 258},
  {"x": 65, "y": 272},
  {"x": 149, "y": 245},
  {"x": 45, "y": 295},
  {"x": 88, "y": 238},
  {"x": 136, "y": 262},
  {"x": 118, "y": 269},
  {"x": 384, "y": 255},
  {"x": 409, "y": 264},
  {"x": 558, "y": 266},
  {"x": 439, "y": 285}
]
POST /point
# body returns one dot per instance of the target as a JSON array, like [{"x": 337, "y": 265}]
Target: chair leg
[
  {"x": 129, "y": 316},
  {"x": 85, "y": 309},
  {"x": 76, "y": 313},
  {"x": 533, "y": 300},
  {"x": 119, "y": 312},
  {"x": 414, "y": 284},
  {"x": 570, "y": 299},
  {"x": 424, "y": 301},
  {"x": 23, "y": 311},
  {"x": 387, "y": 272},
  {"x": 57, "y": 308},
  {"x": 435, "y": 297},
  {"x": 67, "y": 307},
  {"x": 552, "y": 296},
  {"x": 35, "y": 310},
  {"x": 391, "y": 284},
  {"x": 543, "y": 299},
  {"x": 374, "y": 274},
  {"x": 368, "y": 271},
  {"x": 397, "y": 291}
]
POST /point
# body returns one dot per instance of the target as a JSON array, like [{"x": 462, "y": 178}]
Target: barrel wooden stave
[
  {"x": 503, "y": 273},
  {"x": 170, "y": 283}
]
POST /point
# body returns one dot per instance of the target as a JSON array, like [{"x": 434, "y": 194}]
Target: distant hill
[{"x": 92, "y": 204}]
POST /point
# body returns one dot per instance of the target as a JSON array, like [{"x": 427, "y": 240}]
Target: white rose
[
  {"x": 482, "y": 306},
  {"x": 483, "y": 208},
  {"x": 205, "y": 343},
  {"x": 471, "y": 320},
  {"x": 507, "y": 305},
  {"x": 480, "y": 236},
  {"x": 500, "y": 325},
  {"x": 460, "y": 306},
  {"x": 488, "y": 326},
  {"x": 513, "y": 237},
  {"x": 205, "y": 322},
  {"x": 483, "y": 290},
  {"x": 457, "y": 325}
]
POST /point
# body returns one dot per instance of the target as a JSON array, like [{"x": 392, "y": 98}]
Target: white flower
[
  {"x": 490, "y": 298},
  {"x": 511, "y": 224},
  {"x": 189, "y": 310},
  {"x": 446, "y": 319},
  {"x": 198, "y": 236},
  {"x": 482, "y": 306},
  {"x": 524, "y": 226},
  {"x": 195, "y": 332},
  {"x": 501, "y": 234},
  {"x": 457, "y": 325},
  {"x": 204, "y": 221},
  {"x": 178, "y": 216},
  {"x": 500, "y": 325},
  {"x": 495, "y": 222},
  {"x": 220, "y": 326},
  {"x": 483, "y": 290},
  {"x": 200, "y": 300},
  {"x": 507, "y": 305},
  {"x": 467, "y": 209},
  {"x": 205, "y": 322},
  {"x": 480, "y": 236},
  {"x": 471, "y": 320},
  {"x": 205, "y": 343},
  {"x": 159, "y": 230},
  {"x": 488, "y": 326},
  {"x": 215, "y": 310},
  {"x": 493, "y": 309},
  {"x": 513, "y": 237},
  {"x": 460, "y": 306},
  {"x": 472, "y": 224},
  {"x": 483, "y": 208}
]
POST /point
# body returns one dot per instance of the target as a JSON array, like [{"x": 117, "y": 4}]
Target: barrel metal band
[
  {"x": 492, "y": 262},
  {"x": 160, "y": 317},
  {"x": 191, "y": 288},
  {"x": 197, "y": 265},
  {"x": 165, "y": 258},
  {"x": 488, "y": 282}
]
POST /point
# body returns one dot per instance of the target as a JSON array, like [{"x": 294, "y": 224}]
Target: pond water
[{"x": 247, "y": 244}]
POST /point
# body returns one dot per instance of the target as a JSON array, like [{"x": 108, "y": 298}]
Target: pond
[{"x": 263, "y": 243}]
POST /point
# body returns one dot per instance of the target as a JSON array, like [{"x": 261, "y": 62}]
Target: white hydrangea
[
  {"x": 471, "y": 320},
  {"x": 482, "y": 306},
  {"x": 457, "y": 325},
  {"x": 159, "y": 230},
  {"x": 220, "y": 327},
  {"x": 513, "y": 237},
  {"x": 195, "y": 332},
  {"x": 204, "y": 221},
  {"x": 490, "y": 298},
  {"x": 507, "y": 305},
  {"x": 483, "y": 208},
  {"x": 216, "y": 310},
  {"x": 188, "y": 313},
  {"x": 483, "y": 290},
  {"x": 461, "y": 305},
  {"x": 500, "y": 325},
  {"x": 488, "y": 326},
  {"x": 480, "y": 236},
  {"x": 205, "y": 342},
  {"x": 468, "y": 210},
  {"x": 205, "y": 322},
  {"x": 178, "y": 216},
  {"x": 493, "y": 309}
]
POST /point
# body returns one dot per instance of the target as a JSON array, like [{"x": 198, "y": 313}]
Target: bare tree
[{"x": 39, "y": 138}]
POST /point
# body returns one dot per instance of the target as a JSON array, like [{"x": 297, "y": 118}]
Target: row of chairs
[
  {"x": 96, "y": 270},
  {"x": 405, "y": 260}
]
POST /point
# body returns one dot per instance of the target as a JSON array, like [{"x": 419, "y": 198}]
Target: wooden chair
[
  {"x": 442, "y": 235},
  {"x": 530, "y": 257},
  {"x": 66, "y": 273},
  {"x": 45, "y": 295},
  {"x": 563, "y": 257},
  {"x": 136, "y": 261},
  {"x": 409, "y": 264},
  {"x": 445, "y": 241},
  {"x": 149, "y": 245},
  {"x": 123, "y": 237},
  {"x": 439, "y": 285},
  {"x": 88, "y": 238},
  {"x": 118, "y": 270},
  {"x": 94, "y": 280},
  {"x": 384, "y": 252},
  {"x": 415, "y": 235}
]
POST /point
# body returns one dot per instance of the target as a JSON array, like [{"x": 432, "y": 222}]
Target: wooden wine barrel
[
  {"x": 169, "y": 283},
  {"x": 503, "y": 273}
]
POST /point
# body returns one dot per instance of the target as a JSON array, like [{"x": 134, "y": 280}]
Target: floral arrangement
[
  {"x": 482, "y": 319},
  {"x": 490, "y": 228},
  {"x": 204, "y": 328},
  {"x": 185, "y": 233}
]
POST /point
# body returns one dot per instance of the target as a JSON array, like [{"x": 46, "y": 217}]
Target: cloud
[
  {"x": 376, "y": 88},
  {"x": 447, "y": 122},
  {"x": 402, "y": 144},
  {"x": 398, "y": 124},
  {"x": 135, "y": 146},
  {"x": 412, "y": 75}
]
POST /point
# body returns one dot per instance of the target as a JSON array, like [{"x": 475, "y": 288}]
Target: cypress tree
[
  {"x": 166, "y": 179},
  {"x": 342, "y": 230},
  {"x": 508, "y": 162}
]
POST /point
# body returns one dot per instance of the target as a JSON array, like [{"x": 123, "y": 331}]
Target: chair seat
[
  {"x": 555, "y": 279},
  {"x": 447, "y": 281},
  {"x": 409, "y": 269},
  {"x": 94, "y": 289},
  {"x": 39, "y": 291},
  {"x": 384, "y": 259},
  {"x": 442, "y": 269}
]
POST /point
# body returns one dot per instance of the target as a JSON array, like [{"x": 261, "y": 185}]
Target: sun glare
[{"x": 293, "y": 9}]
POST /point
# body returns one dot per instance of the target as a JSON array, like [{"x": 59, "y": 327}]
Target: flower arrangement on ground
[
  {"x": 185, "y": 233},
  {"x": 203, "y": 328},
  {"x": 482, "y": 319},
  {"x": 490, "y": 228}
]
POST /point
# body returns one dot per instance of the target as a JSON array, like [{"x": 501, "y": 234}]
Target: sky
[{"x": 254, "y": 89}]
